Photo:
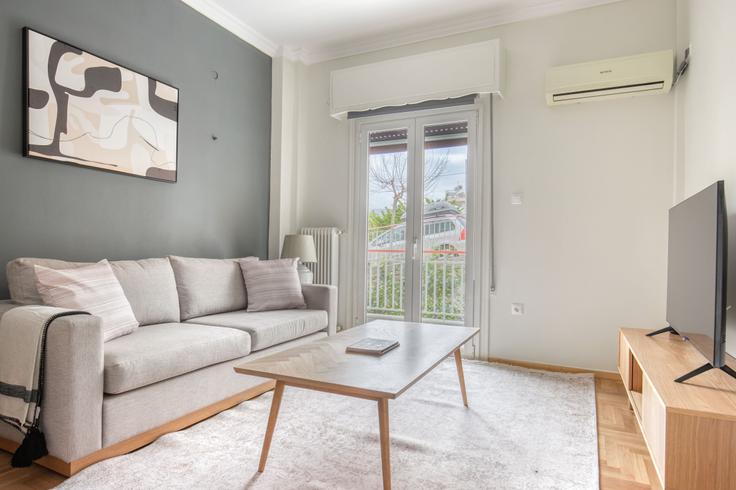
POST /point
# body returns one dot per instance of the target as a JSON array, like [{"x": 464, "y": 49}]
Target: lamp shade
[{"x": 301, "y": 246}]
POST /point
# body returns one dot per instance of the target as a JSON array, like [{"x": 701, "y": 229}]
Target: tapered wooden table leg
[
  {"x": 461, "y": 376},
  {"x": 275, "y": 405},
  {"x": 385, "y": 442}
]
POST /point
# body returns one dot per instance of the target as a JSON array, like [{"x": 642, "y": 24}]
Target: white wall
[
  {"x": 586, "y": 252},
  {"x": 706, "y": 114},
  {"x": 283, "y": 197}
]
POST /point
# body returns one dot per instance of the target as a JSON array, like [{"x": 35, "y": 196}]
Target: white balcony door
[{"x": 416, "y": 198}]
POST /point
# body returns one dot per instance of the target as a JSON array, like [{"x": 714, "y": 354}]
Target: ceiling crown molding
[
  {"x": 459, "y": 26},
  {"x": 214, "y": 12}
]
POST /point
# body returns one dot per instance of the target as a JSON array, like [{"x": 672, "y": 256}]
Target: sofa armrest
[
  {"x": 6, "y": 305},
  {"x": 71, "y": 415},
  {"x": 323, "y": 297}
]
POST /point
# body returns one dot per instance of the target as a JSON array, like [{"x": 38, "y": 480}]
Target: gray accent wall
[{"x": 218, "y": 207}]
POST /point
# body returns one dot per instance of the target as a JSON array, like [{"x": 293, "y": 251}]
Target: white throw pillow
[
  {"x": 92, "y": 288},
  {"x": 272, "y": 285}
]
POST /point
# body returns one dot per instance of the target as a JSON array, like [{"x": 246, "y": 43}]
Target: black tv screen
[{"x": 696, "y": 271}]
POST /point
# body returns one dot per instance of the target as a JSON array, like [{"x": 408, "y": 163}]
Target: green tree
[{"x": 385, "y": 218}]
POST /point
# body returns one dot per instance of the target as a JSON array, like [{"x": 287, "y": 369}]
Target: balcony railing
[{"x": 443, "y": 285}]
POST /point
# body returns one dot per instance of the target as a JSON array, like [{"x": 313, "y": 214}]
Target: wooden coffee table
[{"x": 323, "y": 365}]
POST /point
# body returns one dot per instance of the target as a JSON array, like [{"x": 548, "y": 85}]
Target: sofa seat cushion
[
  {"x": 158, "y": 352},
  {"x": 267, "y": 328}
]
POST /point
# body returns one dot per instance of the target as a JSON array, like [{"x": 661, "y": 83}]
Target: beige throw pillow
[
  {"x": 92, "y": 288},
  {"x": 272, "y": 285}
]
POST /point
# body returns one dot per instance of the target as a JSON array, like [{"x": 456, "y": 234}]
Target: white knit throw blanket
[{"x": 22, "y": 353}]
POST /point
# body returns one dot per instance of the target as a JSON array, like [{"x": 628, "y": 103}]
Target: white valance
[{"x": 454, "y": 72}]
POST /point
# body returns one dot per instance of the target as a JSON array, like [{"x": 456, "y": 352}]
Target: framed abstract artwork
[{"x": 84, "y": 110}]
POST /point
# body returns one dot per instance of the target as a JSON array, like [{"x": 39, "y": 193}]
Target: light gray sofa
[{"x": 103, "y": 399}]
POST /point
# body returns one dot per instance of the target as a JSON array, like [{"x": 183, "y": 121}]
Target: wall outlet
[{"x": 517, "y": 308}]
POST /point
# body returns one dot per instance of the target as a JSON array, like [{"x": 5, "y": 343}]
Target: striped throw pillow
[
  {"x": 92, "y": 288},
  {"x": 272, "y": 284}
]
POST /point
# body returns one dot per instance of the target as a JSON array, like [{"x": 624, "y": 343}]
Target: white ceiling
[{"x": 318, "y": 30}]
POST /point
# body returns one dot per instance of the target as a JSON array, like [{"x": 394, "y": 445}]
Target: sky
[{"x": 453, "y": 175}]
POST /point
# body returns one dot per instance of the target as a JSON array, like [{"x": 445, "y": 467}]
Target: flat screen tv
[{"x": 696, "y": 276}]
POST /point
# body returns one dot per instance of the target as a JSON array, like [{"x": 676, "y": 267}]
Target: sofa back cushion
[
  {"x": 92, "y": 288},
  {"x": 148, "y": 284},
  {"x": 209, "y": 286},
  {"x": 150, "y": 287},
  {"x": 22, "y": 277}
]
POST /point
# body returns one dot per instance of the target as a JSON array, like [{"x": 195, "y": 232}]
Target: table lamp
[{"x": 301, "y": 247}]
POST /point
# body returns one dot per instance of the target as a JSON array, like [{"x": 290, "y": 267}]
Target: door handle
[{"x": 414, "y": 249}]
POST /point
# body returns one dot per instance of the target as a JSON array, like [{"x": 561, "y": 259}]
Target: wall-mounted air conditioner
[{"x": 644, "y": 74}]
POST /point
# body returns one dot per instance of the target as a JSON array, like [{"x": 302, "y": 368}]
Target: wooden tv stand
[{"x": 689, "y": 428}]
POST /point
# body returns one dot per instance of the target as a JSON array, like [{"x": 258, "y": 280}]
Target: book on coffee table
[{"x": 374, "y": 347}]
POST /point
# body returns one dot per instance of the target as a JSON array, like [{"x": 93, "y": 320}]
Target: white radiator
[{"x": 327, "y": 243}]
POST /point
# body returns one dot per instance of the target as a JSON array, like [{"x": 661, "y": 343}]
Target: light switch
[{"x": 517, "y": 198}]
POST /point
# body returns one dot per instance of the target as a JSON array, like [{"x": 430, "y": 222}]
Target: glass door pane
[
  {"x": 444, "y": 222},
  {"x": 388, "y": 169},
  {"x": 418, "y": 217}
]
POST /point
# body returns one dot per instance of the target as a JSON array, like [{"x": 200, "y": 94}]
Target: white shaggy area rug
[{"x": 524, "y": 430}]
